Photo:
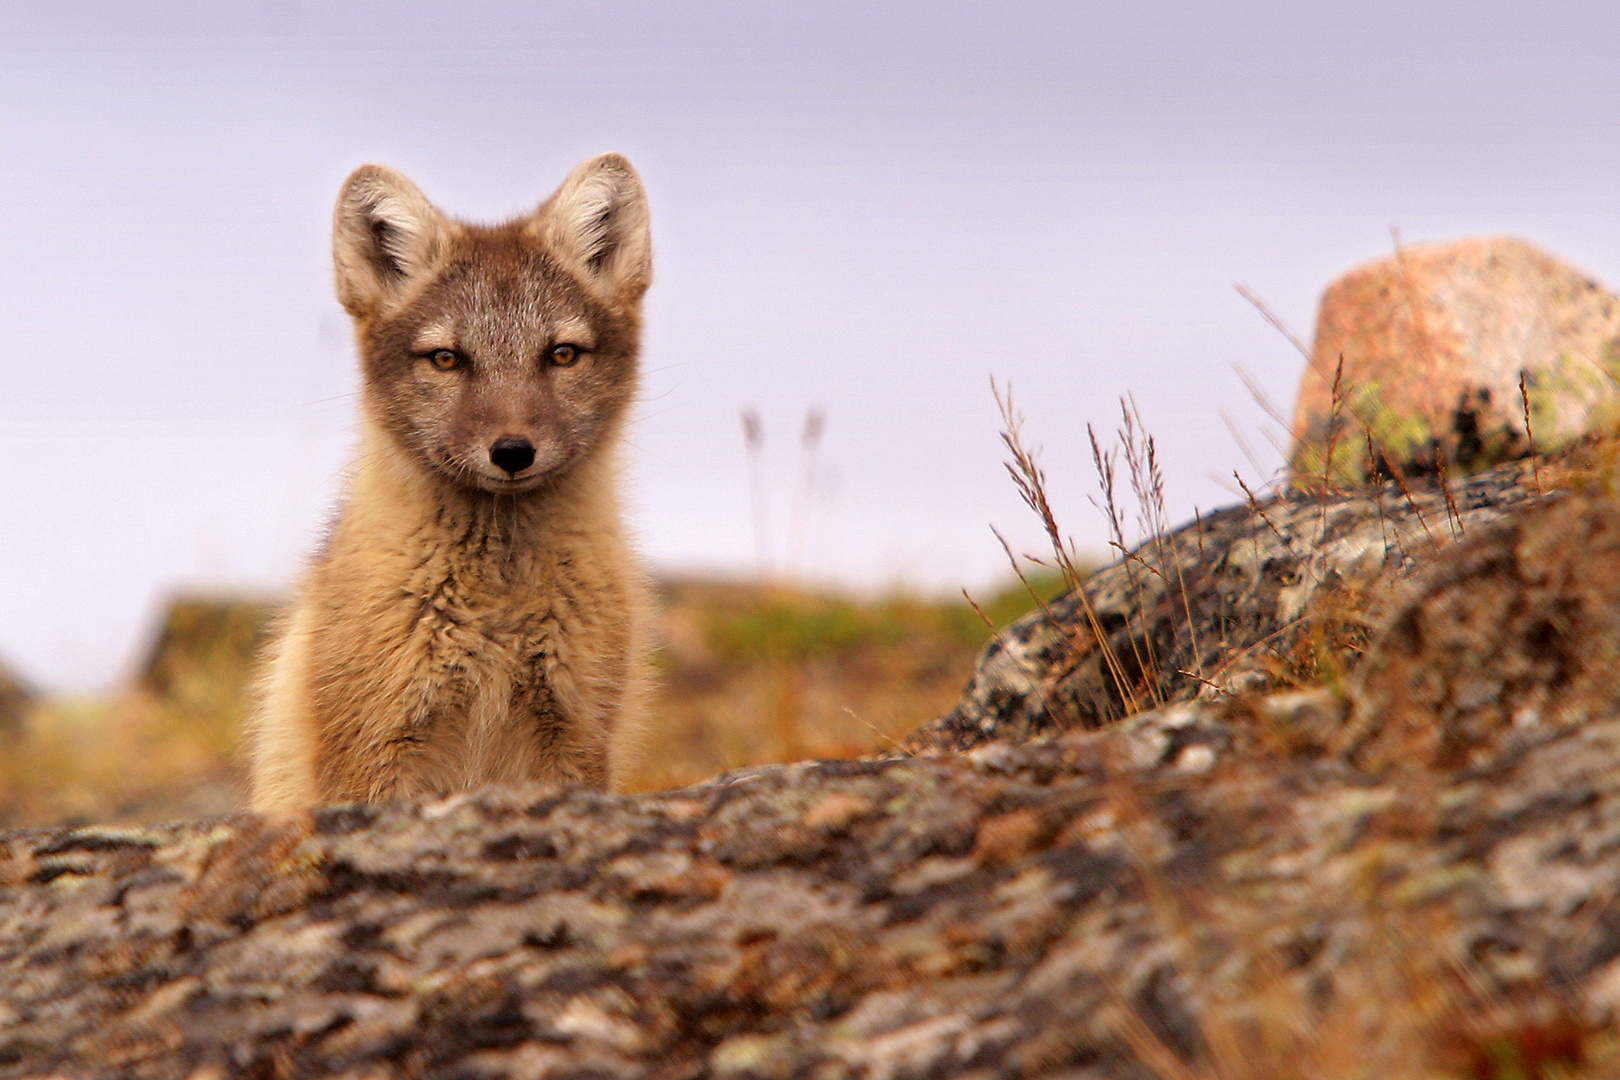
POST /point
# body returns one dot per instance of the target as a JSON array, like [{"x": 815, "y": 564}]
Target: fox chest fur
[
  {"x": 496, "y": 639},
  {"x": 476, "y": 615}
]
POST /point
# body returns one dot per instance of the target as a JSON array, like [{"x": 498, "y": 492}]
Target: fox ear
[
  {"x": 597, "y": 224},
  {"x": 384, "y": 234}
]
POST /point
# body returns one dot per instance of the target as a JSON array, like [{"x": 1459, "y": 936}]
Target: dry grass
[
  {"x": 134, "y": 756},
  {"x": 163, "y": 747}
]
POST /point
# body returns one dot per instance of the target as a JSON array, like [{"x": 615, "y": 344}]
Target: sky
[{"x": 867, "y": 209}]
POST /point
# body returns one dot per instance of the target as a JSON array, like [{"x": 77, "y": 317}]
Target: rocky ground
[{"x": 1321, "y": 787}]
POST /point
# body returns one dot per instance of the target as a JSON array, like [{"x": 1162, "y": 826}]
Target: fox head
[{"x": 498, "y": 357}]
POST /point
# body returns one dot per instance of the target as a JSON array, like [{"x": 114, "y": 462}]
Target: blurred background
[{"x": 862, "y": 212}]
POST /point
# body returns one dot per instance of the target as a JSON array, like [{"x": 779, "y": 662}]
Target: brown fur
[{"x": 466, "y": 623}]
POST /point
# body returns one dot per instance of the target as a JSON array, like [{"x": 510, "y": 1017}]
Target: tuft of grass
[{"x": 1030, "y": 480}]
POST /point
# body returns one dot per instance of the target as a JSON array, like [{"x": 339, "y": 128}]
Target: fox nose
[{"x": 512, "y": 454}]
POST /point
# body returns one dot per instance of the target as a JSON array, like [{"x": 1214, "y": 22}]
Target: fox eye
[
  {"x": 565, "y": 354},
  {"x": 444, "y": 359}
]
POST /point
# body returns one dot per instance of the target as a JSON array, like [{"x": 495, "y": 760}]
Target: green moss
[
  {"x": 1401, "y": 437},
  {"x": 1571, "y": 380}
]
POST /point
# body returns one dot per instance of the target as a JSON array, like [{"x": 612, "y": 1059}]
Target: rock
[
  {"x": 1084, "y": 906},
  {"x": 1247, "y": 599},
  {"x": 1433, "y": 342},
  {"x": 1513, "y": 631},
  {"x": 1247, "y": 884}
]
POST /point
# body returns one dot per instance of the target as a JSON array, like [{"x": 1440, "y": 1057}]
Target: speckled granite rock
[
  {"x": 1515, "y": 630},
  {"x": 1230, "y": 602},
  {"x": 1433, "y": 342},
  {"x": 1232, "y": 887},
  {"x": 1063, "y": 908}
]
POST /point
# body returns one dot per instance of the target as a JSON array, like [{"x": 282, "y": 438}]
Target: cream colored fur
[{"x": 447, "y": 638}]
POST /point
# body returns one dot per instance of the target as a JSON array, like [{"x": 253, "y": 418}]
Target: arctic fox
[{"x": 475, "y": 614}]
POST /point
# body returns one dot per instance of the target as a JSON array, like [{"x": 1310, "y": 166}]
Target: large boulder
[
  {"x": 1246, "y": 599},
  {"x": 1433, "y": 342},
  {"x": 1302, "y": 883}
]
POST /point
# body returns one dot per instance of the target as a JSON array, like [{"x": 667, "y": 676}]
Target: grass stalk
[{"x": 1529, "y": 432}]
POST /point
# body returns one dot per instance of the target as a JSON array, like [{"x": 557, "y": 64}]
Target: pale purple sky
[{"x": 870, "y": 208}]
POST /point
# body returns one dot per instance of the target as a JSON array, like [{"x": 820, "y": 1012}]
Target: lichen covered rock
[
  {"x": 1248, "y": 883},
  {"x": 1249, "y": 598},
  {"x": 1070, "y": 907},
  {"x": 1512, "y": 630}
]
